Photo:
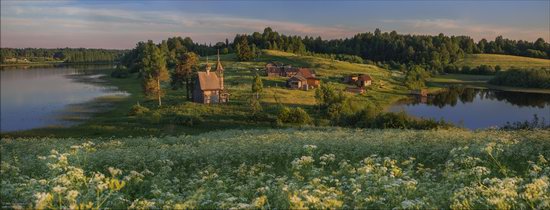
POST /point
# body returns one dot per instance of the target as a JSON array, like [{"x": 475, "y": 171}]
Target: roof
[
  {"x": 208, "y": 81},
  {"x": 306, "y": 73},
  {"x": 364, "y": 77}
]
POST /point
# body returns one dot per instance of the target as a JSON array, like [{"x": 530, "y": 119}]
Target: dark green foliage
[
  {"x": 67, "y": 55},
  {"x": 416, "y": 77},
  {"x": 535, "y": 123},
  {"x": 296, "y": 116},
  {"x": 242, "y": 48},
  {"x": 138, "y": 110},
  {"x": 371, "y": 118},
  {"x": 187, "y": 120},
  {"x": 531, "y": 78},
  {"x": 340, "y": 57},
  {"x": 186, "y": 69},
  {"x": 479, "y": 70},
  {"x": 174, "y": 48},
  {"x": 120, "y": 72}
]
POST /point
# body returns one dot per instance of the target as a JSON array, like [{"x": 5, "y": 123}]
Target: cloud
[
  {"x": 65, "y": 23},
  {"x": 467, "y": 27},
  {"x": 60, "y": 25}
]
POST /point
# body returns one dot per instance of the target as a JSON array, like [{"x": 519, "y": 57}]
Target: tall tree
[
  {"x": 184, "y": 73},
  {"x": 257, "y": 86},
  {"x": 154, "y": 71},
  {"x": 244, "y": 53}
]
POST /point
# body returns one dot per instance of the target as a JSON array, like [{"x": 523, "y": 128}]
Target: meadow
[
  {"x": 178, "y": 116},
  {"x": 504, "y": 61},
  {"x": 285, "y": 168}
]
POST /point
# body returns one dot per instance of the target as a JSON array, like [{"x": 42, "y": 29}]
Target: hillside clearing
[{"x": 504, "y": 61}]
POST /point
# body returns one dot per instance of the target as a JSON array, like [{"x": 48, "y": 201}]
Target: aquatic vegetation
[{"x": 307, "y": 168}]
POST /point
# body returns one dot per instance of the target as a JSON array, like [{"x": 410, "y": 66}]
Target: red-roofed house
[{"x": 305, "y": 79}]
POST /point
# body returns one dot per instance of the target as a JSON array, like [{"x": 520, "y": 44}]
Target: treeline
[
  {"x": 340, "y": 57},
  {"x": 479, "y": 70},
  {"x": 68, "y": 55},
  {"x": 432, "y": 51},
  {"x": 172, "y": 49},
  {"x": 435, "y": 52},
  {"x": 530, "y": 78},
  {"x": 272, "y": 40}
]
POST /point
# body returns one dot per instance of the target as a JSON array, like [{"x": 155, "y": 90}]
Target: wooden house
[
  {"x": 209, "y": 86},
  {"x": 360, "y": 80},
  {"x": 273, "y": 69},
  {"x": 364, "y": 80},
  {"x": 304, "y": 79}
]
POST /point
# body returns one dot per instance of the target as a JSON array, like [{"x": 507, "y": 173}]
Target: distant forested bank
[
  {"x": 433, "y": 52},
  {"x": 66, "y": 55},
  {"x": 397, "y": 51}
]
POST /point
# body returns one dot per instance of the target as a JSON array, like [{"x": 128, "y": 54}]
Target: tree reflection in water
[{"x": 467, "y": 95}]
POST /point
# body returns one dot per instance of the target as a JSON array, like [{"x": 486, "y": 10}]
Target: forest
[
  {"x": 67, "y": 55},
  {"x": 434, "y": 53}
]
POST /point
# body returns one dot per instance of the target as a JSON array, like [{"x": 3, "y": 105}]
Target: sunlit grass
[{"x": 504, "y": 61}]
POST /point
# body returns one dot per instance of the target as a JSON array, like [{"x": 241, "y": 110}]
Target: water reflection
[
  {"x": 478, "y": 108},
  {"x": 452, "y": 96},
  {"x": 36, "y": 97}
]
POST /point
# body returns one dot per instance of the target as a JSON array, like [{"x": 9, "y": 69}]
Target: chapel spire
[
  {"x": 208, "y": 67},
  {"x": 219, "y": 66}
]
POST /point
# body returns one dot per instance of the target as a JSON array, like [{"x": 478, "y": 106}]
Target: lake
[
  {"x": 478, "y": 108},
  {"x": 41, "y": 96}
]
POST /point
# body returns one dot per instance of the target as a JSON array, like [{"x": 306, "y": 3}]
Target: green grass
[
  {"x": 504, "y": 61},
  {"x": 236, "y": 114},
  {"x": 475, "y": 81},
  {"x": 288, "y": 168}
]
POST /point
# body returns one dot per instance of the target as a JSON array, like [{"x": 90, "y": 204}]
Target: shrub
[
  {"x": 187, "y": 120},
  {"x": 531, "y": 78},
  {"x": 416, "y": 77},
  {"x": 120, "y": 72},
  {"x": 138, "y": 110},
  {"x": 293, "y": 116}
]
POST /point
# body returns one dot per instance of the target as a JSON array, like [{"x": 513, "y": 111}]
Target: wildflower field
[{"x": 291, "y": 168}]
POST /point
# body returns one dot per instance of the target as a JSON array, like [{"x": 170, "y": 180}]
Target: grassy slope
[
  {"x": 480, "y": 81},
  {"x": 505, "y": 61},
  {"x": 238, "y": 76}
]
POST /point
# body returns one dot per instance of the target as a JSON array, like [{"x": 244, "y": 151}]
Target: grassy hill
[
  {"x": 290, "y": 168},
  {"x": 505, "y": 61},
  {"x": 178, "y": 116}
]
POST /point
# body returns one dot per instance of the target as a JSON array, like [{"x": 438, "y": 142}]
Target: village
[{"x": 209, "y": 86}]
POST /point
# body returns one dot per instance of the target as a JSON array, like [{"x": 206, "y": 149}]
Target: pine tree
[
  {"x": 184, "y": 72},
  {"x": 244, "y": 53}
]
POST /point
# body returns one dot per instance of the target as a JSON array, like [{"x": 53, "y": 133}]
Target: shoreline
[
  {"x": 477, "y": 81},
  {"x": 75, "y": 114}
]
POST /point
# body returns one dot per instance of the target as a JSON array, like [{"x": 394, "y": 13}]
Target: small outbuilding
[{"x": 360, "y": 80}]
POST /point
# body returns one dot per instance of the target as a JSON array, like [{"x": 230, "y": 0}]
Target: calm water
[
  {"x": 476, "y": 108},
  {"x": 36, "y": 97}
]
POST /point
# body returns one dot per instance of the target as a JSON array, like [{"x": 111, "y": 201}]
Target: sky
[{"x": 121, "y": 24}]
